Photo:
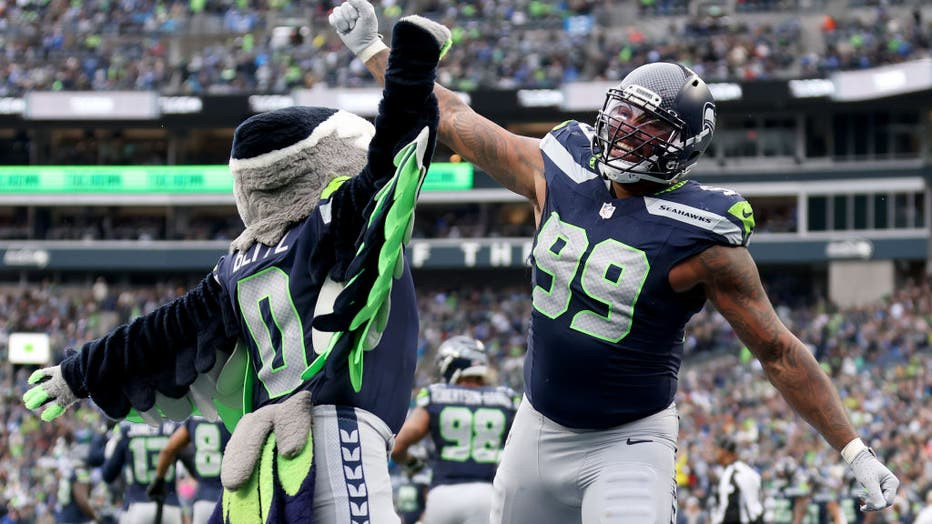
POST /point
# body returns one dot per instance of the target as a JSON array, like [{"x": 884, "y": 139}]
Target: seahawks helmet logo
[
  {"x": 708, "y": 118},
  {"x": 708, "y": 125}
]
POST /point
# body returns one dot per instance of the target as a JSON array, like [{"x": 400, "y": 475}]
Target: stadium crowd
[
  {"x": 879, "y": 356},
  {"x": 242, "y": 46}
]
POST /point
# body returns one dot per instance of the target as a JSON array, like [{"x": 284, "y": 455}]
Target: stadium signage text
[
  {"x": 812, "y": 88},
  {"x": 263, "y": 103},
  {"x": 78, "y": 105},
  {"x": 171, "y": 180},
  {"x": 540, "y": 97},
  {"x": 470, "y": 253},
  {"x": 26, "y": 257},
  {"x": 180, "y": 105},
  {"x": 12, "y": 106},
  {"x": 442, "y": 254},
  {"x": 862, "y": 249}
]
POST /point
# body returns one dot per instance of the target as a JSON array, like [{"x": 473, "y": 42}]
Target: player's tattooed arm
[
  {"x": 513, "y": 160},
  {"x": 732, "y": 283}
]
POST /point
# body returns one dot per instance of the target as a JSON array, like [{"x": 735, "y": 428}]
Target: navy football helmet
[
  {"x": 655, "y": 125},
  {"x": 462, "y": 356}
]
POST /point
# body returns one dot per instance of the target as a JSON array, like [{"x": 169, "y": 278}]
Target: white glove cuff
[
  {"x": 852, "y": 449},
  {"x": 372, "y": 50}
]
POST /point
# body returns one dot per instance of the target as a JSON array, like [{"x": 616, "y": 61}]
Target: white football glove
[
  {"x": 356, "y": 24},
  {"x": 50, "y": 390},
  {"x": 879, "y": 482}
]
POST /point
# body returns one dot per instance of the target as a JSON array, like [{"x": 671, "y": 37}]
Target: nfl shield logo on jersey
[{"x": 607, "y": 210}]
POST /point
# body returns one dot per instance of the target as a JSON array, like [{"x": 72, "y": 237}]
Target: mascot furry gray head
[{"x": 282, "y": 160}]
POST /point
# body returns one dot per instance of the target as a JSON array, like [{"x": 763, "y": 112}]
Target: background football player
[
  {"x": 209, "y": 440},
  {"x": 136, "y": 455},
  {"x": 467, "y": 421}
]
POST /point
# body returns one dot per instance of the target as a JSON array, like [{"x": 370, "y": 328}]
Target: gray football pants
[
  {"x": 467, "y": 503},
  {"x": 144, "y": 513},
  {"x": 553, "y": 474},
  {"x": 352, "y": 485}
]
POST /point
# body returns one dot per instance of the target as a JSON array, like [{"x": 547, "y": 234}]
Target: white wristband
[
  {"x": 372, "y": 49},
  {"x": 852, "y": 449}
]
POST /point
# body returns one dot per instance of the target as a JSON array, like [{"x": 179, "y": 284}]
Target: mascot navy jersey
[
  {"x": 274, "y": 291},
  {"x": 209, "y": 440},
  {"x": 607, "y": 330},
  {"x": 468, "y": 426}
]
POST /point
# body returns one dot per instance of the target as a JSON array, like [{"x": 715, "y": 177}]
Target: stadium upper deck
[{"x": 215, "y": 46}]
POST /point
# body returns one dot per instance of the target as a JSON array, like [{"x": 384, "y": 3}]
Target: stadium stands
[
  {"x": 879, "y": 356},
  {"x": 201, "y": 47}
]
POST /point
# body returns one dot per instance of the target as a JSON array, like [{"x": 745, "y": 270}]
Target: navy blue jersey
[
  {"x": 209, "y": 440},
  {"x": 274, "y": 291},
  {"x": 607, "y": 330},
  {"x": 137, "y": 455},
  {"x": 409, "y": 498},
  {"x": 70, "y": 511},
  {"x": 468, "y": 426}
]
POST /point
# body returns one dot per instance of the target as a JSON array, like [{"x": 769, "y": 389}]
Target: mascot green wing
[{"x": 361, "y": 309}]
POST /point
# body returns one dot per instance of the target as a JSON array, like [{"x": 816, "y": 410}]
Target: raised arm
[
  {"x": 414, "y": 429},
  {"x": 161, "y": 353},
  {"x": 513, "y": 160},
  {"x": 732, "y": 283},
  {"x": 408, "y": 105}
]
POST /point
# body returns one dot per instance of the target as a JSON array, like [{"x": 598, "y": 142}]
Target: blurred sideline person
[
  {"x": 209, "y": 440},
  {"x": 136, "y": 452},
  {"x": 74, "y": 486},
  {"x": 467, "y": 421},
  {"x": 627, "y": 250},
  {"x": 319, "y": 193},
  {"x": 738, "y": 493},
  {"x": 925, "y": 515}
]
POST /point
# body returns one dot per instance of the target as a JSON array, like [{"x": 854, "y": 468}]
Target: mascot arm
[
  {"x": 161, "y": 353},
  {"x": 360, "y": 311},
  {"x": 408, "y": 105}
]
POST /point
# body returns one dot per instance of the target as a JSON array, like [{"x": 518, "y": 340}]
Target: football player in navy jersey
[
  {"x": 74, "y": 485},
  {"x": 467, "y": 421},
  {"x": 209, "y": 440},
  {"x": 136, "y": 455},
  {"x": 626, "y": 251},
  {"x": 327, "y": 199}
]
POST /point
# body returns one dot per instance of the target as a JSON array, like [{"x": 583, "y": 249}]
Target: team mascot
[{"x": 273, "y": 340}]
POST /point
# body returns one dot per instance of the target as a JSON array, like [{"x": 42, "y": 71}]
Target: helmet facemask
[{"x": 636, "y": 140}]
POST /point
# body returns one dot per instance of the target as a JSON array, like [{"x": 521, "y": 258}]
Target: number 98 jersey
[
  {"x": 607, "y": 329},
  {"x": 209, "y": 439},
  {"x": 468, "y": 426}
]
